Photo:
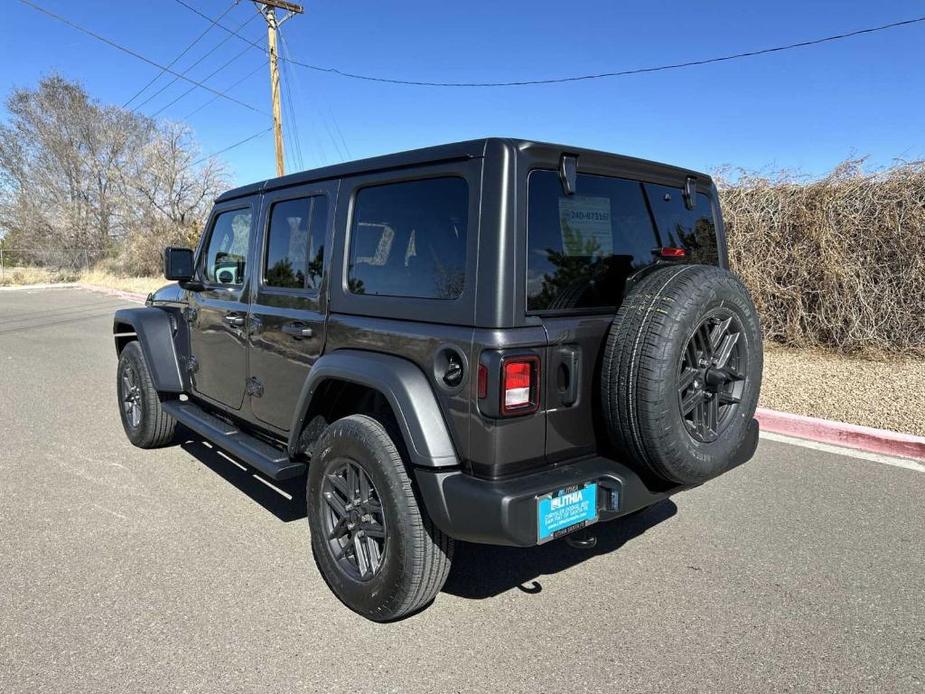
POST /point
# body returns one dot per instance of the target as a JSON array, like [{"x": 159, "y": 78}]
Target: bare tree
[
  {"x": 169, "y": 180},
  {"x": 61, "y": 155},
  {"x": 173, "y": 189},
  {"x": 78, "y": 174}
]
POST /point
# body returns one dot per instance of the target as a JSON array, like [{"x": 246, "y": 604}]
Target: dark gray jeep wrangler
[{"x": 494, "y": 341}]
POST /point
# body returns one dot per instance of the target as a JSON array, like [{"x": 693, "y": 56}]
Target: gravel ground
[{"x": 883, "y": 393}]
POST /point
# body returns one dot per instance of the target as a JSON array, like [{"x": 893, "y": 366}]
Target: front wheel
[
  {"x": 144, "y": 420},
  {"x": 375, "y": 546}
]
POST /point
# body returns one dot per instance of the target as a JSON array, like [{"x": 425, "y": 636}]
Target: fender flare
[
  {"x": 403, "y": 385},
  {"x": 155, "y": 331}
]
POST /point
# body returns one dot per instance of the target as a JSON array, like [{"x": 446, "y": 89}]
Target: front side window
[
  {"x": 583, "y": 247},
  {"x": 409, "y": 239},
  {"x": 226, "y": 254},
  {"x": 295, "y": 243}
]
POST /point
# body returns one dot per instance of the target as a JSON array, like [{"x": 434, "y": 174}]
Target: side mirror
[{"x": 178, "y": 264}]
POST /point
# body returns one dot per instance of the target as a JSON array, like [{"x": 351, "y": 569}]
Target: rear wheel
[
  {"x": 373, "y": 543},
  {"x": 144, "y": 420}
]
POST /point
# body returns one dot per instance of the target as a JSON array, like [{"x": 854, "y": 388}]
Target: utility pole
[{"x": 268, "y": 9}]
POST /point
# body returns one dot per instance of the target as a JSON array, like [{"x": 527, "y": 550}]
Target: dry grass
[
  {"x": 16, "y": 276},
  {"x": 887, "y": 392},
  {"x": 838, "y": 262},
  {"x": 139, "y": 285}
]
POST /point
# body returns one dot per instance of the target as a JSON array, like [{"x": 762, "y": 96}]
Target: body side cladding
[
  {"x": 407, "y": 391},
  {"x": 155, "y": 332}
]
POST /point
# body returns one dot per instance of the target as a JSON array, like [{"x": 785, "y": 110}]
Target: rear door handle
[
  {"x": 234, "y": 319},
  {"x": 298, "y": 330}
]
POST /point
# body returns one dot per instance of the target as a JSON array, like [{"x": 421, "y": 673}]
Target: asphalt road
[{"x": 129, "y": 570}]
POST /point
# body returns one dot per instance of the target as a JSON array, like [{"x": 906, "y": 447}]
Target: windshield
[{"x": 583, "y": 247}]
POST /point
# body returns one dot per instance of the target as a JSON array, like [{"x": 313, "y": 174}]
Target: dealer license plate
[{"x": 565, "y": 510}]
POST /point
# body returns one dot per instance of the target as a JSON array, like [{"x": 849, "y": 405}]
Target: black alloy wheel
[
  {"x": 376, "y": 548},
  {"x": 711, "y": 374},
  {"x": 354, "y": 523},
  {"x": 131, "y": 396},
  {"x": 143, "y": 418}
]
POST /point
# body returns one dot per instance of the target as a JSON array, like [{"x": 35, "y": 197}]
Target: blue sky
[{"x": 804, "y": 109}]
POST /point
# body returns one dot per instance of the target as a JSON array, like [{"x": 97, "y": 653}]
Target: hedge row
[{"x": 837, "y": 262}]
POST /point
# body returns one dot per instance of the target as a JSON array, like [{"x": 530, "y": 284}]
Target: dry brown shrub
[
  {"x": 142, "y": 253},
  {"x": 838, "y": 262}
]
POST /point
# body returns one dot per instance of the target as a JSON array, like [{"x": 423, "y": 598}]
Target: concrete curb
[
  {"x": 129, "y": 296},
  {"x": 25, "y": 287},
  {"x": 842, "y": 434}
]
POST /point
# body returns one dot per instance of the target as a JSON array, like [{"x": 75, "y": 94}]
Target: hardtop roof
[{"x": 468, "y": 149}]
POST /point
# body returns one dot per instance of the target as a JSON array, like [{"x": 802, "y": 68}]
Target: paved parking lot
[{"x": 176, "y": 570}]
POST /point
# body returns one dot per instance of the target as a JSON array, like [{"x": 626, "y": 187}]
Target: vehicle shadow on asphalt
[
  {"x": 484, "y": 571},
  {"x": 247, "y": 480}
]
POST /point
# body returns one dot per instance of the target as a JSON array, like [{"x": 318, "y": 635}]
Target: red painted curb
[
  {"x": 842, "y": 434},
  {"x": 130, "y": 296}
]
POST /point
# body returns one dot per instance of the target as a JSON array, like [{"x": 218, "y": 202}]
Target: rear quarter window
[
  {"x": 583, "y": 247},
  {"x": 408, "y": 239}
]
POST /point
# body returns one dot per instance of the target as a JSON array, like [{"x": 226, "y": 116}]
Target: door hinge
[
  {"x": 254, "y": 387},
  {"x": 189, "y": 313},
  {"x": 192, "y": 364}
]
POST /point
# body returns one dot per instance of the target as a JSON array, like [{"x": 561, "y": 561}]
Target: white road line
[{"x": 905, "y": 463}]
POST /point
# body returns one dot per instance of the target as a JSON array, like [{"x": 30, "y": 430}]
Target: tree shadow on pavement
[
  {"x": 484, "y": 571},
  {"x": 285, "y": 500}
]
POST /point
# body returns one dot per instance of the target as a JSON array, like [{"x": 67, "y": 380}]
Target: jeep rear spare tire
[{"x": 681, "y": 372}]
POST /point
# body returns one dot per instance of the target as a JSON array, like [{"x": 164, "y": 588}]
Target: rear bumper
[{"x": 503, "y": 512}]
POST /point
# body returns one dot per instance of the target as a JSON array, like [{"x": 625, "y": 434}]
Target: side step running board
[{"x": 271, "y": 461}]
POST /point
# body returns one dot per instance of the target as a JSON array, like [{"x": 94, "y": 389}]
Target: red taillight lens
[
  {"x": 672, "y": 252},
  {"x": 520, "y": 385},
  {"x": 483, "y": 381}
]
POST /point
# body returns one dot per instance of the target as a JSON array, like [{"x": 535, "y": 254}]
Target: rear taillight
[
  {"x": 520, "y": 385},
  {"x": 671, "y": 252}
]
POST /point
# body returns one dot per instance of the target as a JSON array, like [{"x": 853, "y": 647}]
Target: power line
[
  {"x": 227, "y": 89},
  {"x": 215, "y": 22},
  {"x": 622, "y": 73},
  {"x": 594, "y": 76},
  {"x": 137, "y": 55},
  {"x": 182, "y": 53},
  {"x": 195, "y": 63},
  {"x": 295, "y": 144},
  {"x": 207, "y": 77},
  {"x": 236, "y": 144},
  {"x": 319, "y": 101}
]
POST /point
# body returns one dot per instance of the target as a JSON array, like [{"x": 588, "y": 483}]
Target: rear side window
[
  {"x": 295, "y": 243},
  {"x": 583, "y": 247},
  {"x": 409, "y": 239},
  {"x": 226, "y": 254}
]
